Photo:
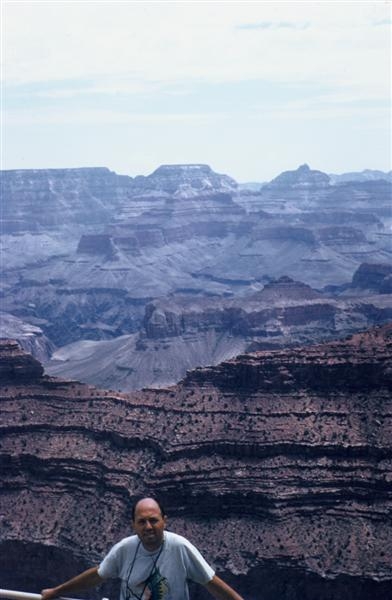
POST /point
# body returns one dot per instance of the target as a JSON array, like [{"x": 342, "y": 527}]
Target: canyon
[
  {"x": 277, "y": 464},
  {"x": 226, "y": 346},
  {"x": 130, "y": 282}
]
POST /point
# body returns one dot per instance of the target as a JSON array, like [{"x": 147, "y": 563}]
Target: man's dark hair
[{"x": 139, "y": 498}]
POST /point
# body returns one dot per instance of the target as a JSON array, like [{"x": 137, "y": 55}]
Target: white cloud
[
  {"x": 101, "y": 117},
  {"x": 138, "y": 83},
  {"x": 274, "y": 25},
  {"x": 109, "y": 87},
  {"x": 211, "y": 41},
  {"x": 333, "y": 114}
]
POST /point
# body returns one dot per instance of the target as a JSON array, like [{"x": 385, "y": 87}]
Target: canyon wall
[
  {"x": 84, "y": 250},
  {"x": 277, "y": 464}
]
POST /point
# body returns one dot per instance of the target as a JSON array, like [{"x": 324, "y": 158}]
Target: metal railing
[{"x": 14, "y": 595}]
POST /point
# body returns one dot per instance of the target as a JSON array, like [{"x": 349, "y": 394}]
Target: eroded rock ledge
[{"x": 276, "y": 464}]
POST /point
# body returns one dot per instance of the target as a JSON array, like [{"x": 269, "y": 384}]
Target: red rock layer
[{"x": 276, "y": 464}]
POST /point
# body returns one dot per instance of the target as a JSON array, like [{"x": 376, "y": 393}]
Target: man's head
[{"x": 148, "y": 521}]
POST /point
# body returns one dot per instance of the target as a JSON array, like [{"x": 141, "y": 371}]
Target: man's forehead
[{"x": 147, "y": 505}]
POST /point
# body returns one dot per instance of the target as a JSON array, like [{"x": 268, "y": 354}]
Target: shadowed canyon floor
[{"x": 277, "y": 464}]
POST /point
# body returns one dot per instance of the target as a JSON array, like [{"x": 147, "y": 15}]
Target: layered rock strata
[
  {"x": 276, "y": 464},
  {"x": 74, "y": 241},
  {"x": 183, "y": 332}
]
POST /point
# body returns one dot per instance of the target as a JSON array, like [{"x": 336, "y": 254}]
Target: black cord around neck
[{"x": 128, "y": 589}]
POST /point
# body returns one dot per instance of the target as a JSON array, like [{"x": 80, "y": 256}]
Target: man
[{"x": 154, "y": 564}]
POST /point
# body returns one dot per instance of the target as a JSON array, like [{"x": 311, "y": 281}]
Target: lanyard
[{"x": 128, "y": 589}]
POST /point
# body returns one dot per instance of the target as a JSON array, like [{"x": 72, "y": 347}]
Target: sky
[{"x": 250, "y": 88}]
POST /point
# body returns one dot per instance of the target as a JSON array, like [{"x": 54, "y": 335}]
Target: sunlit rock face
[{"x": 276, "y": 464}]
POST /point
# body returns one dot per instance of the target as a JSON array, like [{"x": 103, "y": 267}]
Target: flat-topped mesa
[
  {"x": 16, "y": 365},
  {"x": 196, "y": 169},
  {"x": 96, "y": 244},
  {"x": 290, "y": 301},
  {"x": 184, "y": 180},
  {"x": 287, "y": 289}
]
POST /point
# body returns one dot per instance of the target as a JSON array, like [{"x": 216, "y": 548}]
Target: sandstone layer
[{"x": 277, "y": 464}]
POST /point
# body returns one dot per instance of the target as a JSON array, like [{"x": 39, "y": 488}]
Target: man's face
[{"x": 149, "y": 524}]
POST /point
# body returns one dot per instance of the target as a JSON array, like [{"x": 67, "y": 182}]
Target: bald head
[
  {"x": 148, "y": 521},
  {"x": 148, "y": 501}
]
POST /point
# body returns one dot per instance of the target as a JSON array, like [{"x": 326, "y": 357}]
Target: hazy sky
[{"x": 250, "y": 88}]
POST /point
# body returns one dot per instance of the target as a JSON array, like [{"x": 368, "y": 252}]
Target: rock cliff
[
  {"x": 52, "y": 199},
  {"x": 183, "y": 332},
  {"x": 90, "y": 255},
  {"x": 276, "y": 464}
]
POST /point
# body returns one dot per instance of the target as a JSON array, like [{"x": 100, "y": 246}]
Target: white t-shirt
[{"x": 159, "y": 575}]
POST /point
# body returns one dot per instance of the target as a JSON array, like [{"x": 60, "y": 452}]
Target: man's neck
[{"x": 153, "y": 547}]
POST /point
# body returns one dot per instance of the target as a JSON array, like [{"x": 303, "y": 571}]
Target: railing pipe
[{"x": 14, "y": 595}]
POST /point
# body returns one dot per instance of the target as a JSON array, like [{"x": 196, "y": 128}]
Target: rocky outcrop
[
  {"x": 341, "y": 365},
  {"x": 276, "y": 464},
  {"x": 17, "y": 365},
  {"x": 96, "y": 244},
  {"x": 183, "y": 181},
  {"x": 285, "y": 289},
  {"x": 281, "y": 301},
  {"x": 342, "y": 235},
  {"x": 365, "y": 175},
  {"x": 364, "y": 196},
  {"x": 46, "y": 199},
  {"x": 184, "y": 332},
  {"x": 375, "y": 277},
  {"x": 301, "y": 177},
  {"x": 30, "y": 336}
]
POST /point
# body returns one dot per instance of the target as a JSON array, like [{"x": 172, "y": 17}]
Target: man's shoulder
[
  {"x": 116, "y": 557},
  {"x": 174, "y": 539},
  {"x": 127, "y": 542},
  {"x": 190, "y": 557}
]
